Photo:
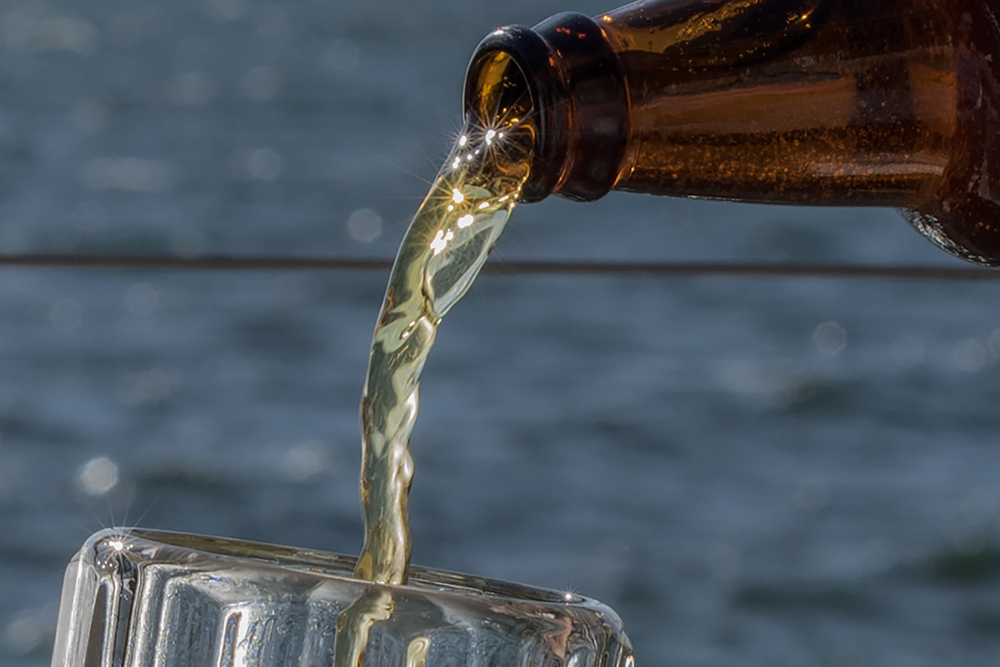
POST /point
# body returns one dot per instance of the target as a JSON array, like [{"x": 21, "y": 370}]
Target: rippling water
[{"x": 751, "y": 471}]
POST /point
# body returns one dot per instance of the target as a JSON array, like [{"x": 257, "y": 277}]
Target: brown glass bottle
[{"x": 828, "y": 102}]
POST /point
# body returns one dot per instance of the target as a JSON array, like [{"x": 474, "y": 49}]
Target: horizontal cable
[
  {"x": 199, "y": 263},
  {"x": 503, "y": 266}
]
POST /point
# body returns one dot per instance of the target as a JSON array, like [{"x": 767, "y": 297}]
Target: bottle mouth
[
  {"x": 510, "y": 67},
  {"x": 573, "y": 87}
]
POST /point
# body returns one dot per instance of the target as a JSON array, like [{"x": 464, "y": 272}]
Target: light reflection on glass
[{"x": 441, "y": 240}]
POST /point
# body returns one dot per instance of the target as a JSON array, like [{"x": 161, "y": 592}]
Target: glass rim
[{"x": 328, "y": 564}]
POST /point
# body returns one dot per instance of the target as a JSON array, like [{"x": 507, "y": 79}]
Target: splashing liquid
[{"x": 445, "y": 247}]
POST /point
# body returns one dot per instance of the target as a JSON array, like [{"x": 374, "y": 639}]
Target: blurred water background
[{"x": 753, "y": 472}]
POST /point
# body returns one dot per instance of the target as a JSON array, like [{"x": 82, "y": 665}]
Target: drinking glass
[{"x": 142, "y": 598}]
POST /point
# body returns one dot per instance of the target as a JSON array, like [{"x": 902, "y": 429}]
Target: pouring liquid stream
[{"x": 443, "y": 250}]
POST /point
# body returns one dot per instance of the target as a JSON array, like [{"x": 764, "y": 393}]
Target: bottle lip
[
  {"x": 579, "y": 99},
  {"x": 532, "y": 56}
]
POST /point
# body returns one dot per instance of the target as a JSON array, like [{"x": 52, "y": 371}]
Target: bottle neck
[{"x": 579, "y": 103}]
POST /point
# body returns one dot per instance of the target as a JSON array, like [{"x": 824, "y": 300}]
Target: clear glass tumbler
[{"x": 140, "y": 598}]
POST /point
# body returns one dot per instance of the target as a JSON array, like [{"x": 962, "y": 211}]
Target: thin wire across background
[{"x": 508, "y": 267}]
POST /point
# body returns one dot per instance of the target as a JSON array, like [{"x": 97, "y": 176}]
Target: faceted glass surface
[{"x": 153, "y": 599}]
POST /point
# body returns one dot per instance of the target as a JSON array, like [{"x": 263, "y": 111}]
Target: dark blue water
[{"x": 752, "y": 472}]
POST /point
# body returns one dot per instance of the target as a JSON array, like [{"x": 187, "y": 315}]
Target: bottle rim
[
  {"x": 531, "y": 57},
  {"x": 578, "y": 98}
]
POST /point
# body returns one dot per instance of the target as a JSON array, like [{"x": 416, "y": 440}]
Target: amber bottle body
[{"x": 828, "y": 102}]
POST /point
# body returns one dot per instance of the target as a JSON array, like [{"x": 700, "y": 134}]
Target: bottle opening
[
  {"x": 510, "y": 76},
  {"x": 501, "y": 92},
  {"x": 566, "y": 74}
]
